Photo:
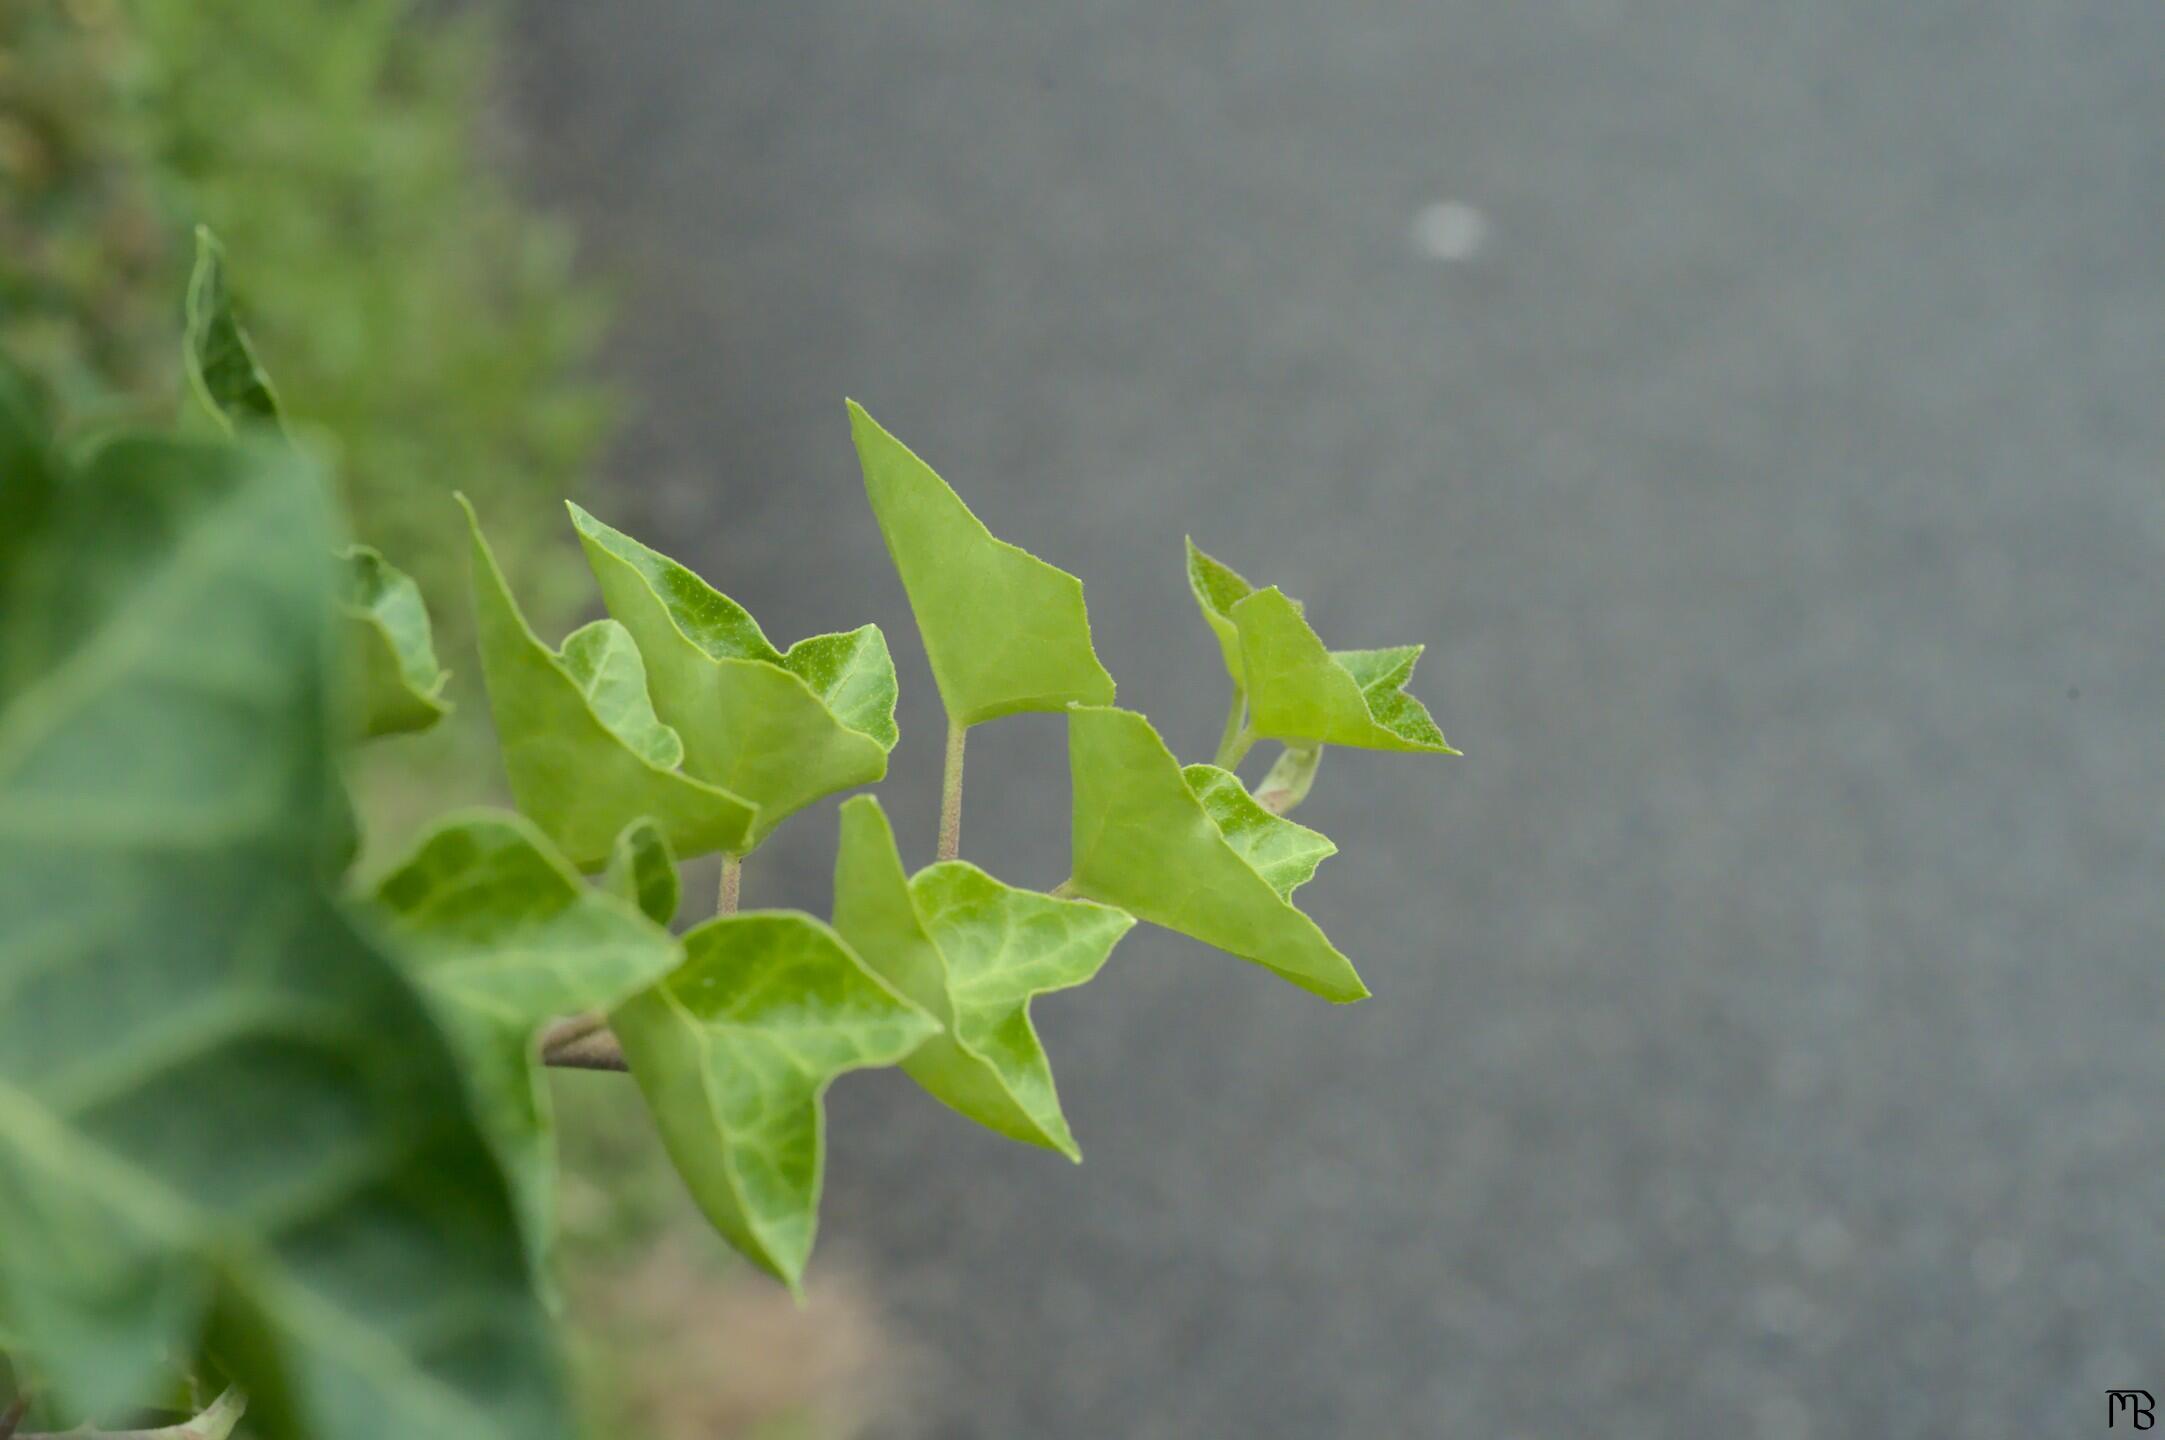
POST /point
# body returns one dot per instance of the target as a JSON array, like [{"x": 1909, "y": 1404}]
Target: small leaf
[
  {"x": 1283, "y": 853},
  {"x": 1148, "y": 839},
  {"x": 221, "y": 364},
  {"x": 643, "y": 872},
  {"x": 972, "y": 952},
  {"x": 1298, "y": 691},
  {"x": 571, "y": 766},
  {"x": 506, "y": 937},
  {"x": 1218, "y": 587},
  {"x": 734, "y": 1052},
  {"x": 1005, "y": 631},
  {"x": 401, "y": 683},
  {"x": 226, "y": 1116},
  {"x": 779, "y": 729}
]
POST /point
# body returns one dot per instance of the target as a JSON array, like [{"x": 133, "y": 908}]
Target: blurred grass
[
  {"x": 406, "y": 302},
  {"x": 414, "y": 313}
]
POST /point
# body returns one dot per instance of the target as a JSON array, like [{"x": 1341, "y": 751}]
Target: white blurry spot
[{"x": 1449, "y": 230}]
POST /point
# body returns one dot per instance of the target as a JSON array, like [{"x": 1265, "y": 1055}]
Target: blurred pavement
[{"x": 1755, "y": 408}]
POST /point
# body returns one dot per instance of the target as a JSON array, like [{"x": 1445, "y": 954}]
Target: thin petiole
[
  {"x": 725, "y": 900},
  {"x": 1233, "y": 741},
  {"x": 951, "y": 794}
]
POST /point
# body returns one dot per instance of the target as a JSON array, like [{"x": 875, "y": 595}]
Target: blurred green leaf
[
  {"x": 779, "y": 729},
  {"x": 734, "y": 1051},
  {"x": 582, "y": 748},
  {"x": 1180, "y": 850},
  {"x": 401, "y": 682},
  {"x": 643, "y": 872},
  {"x": 225, "y": 1115},
  {"x": 507, "y": 937},
  {"x": 1005, "y": 631},
  {"x": 972, "y": 952},
  {"x": 221, "y": 364}
]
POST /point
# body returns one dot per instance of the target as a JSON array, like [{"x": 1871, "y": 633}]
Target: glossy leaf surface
[
  {"x": 973, "y": 953},
  {"x": 506, "y": 937},
  {"x": 1180, "y": 850},
  {"x": 1005, "y": 631},
  {"x": 780, "y": 729},
  {"x": 224, "y": 1110},
  {"x": 582, "y": 748},
  {"x": 734, "y": 1052}
]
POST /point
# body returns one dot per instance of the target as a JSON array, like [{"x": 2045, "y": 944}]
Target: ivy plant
[{"x": 274, "y": 1137}]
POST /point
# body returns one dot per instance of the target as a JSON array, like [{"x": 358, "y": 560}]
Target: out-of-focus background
[{"x": 1754, "y": 408}]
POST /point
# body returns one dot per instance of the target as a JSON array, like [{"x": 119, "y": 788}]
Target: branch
[{"x": 1290, "y": 779}]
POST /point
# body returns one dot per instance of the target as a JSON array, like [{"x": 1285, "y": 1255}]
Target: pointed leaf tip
[{"x": 1005, "y": 631}]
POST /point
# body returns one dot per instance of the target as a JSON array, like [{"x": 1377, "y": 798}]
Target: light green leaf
[
  {"x": 1148, "y": 839},
  {"x": 1283, "y": 853},
  {"x": 506, "y": 937},
  {"x": 734, "y": 1052},
  {"x": 643, "y": 872},
  {"x": 973, "y": 952},
  {"x": 401, "y": 683},
  {"x": 779, "y": 729},
  {"x": 579, "y": 750},
  {"x": 1217, "y": 588},
  {"x": 221, "y": 364},
  {"x": 1300, "y": 692},
  {"x": 1005, "y": 631},
  {"x": 226, "y": 1117}
]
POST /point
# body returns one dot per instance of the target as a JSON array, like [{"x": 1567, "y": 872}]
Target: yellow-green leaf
[
  {"x": 581, "y": 745},
  {"x": 1177, "y": 849},
  {"x": 781, "y": 730},
  {"x": 401, "y": 682},
  {"x": 1297, "y": 690},
  {"x": 734, "y": 1052},
  {"x": 1005, "y": 631},
  {"x": 972, "y": 952}
]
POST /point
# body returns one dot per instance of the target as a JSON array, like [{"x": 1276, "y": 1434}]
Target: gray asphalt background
[{"x": 1767, "y": 1039}]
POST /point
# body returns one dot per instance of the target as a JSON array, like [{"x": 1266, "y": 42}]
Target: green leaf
[
  {"x": 401, "y": 683},
  {"x": 779, "y": 729},
  {"x": 221, "y": 364},
  {"x": 506, "y": 937},
  {"x": 1218, "y": 587},
  {"x": 643, "y": 872},
  {"x": 1005, "y": 631},
  {"x": 1179, "y": 850},
  {"x": 1297, "y": 690},
  {"x": 973, "y": 953},
  {"x": 581, "y": 746},
  {"x": 226, "y": 1116},
  {"x": 734, "y": 1052}
]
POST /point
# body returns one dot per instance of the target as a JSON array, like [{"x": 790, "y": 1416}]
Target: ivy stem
[
  {"x": 951, "y": 794},
  {"x": 725, "y": 900},
  {"x": 1234, "y": 740}
]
